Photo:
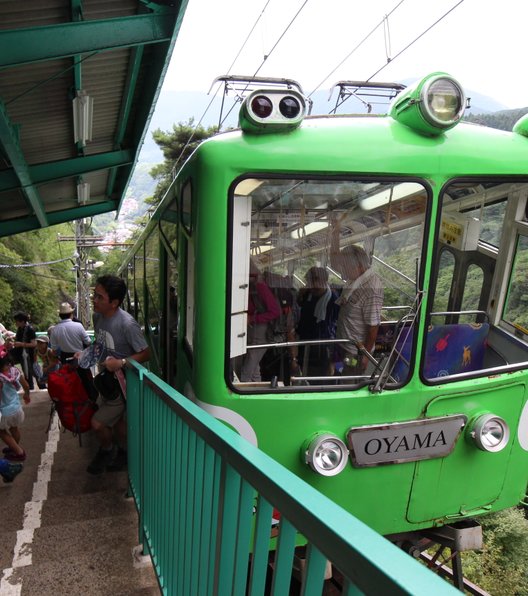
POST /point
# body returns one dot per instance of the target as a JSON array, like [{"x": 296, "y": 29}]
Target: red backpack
[{"x": 70, "y": 399}]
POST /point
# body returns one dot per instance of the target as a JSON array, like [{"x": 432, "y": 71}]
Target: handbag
[{"x": 107, "y": 385}]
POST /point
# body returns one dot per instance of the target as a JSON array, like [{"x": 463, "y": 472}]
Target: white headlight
[
  {"x": 326, "y": 454},
  {"x": 443, "y": 101},
  {"x": 490, "y": 433}
]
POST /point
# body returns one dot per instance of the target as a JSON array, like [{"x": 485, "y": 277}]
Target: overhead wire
[
  {"x": 266, "y": 56},
  {"x": 417, "y": 38},
  {"x": 357, "y": 46},
  {"x": 174, "y": 169}
]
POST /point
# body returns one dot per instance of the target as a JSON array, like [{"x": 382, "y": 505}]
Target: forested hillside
[{"x": 503, "y": 120}]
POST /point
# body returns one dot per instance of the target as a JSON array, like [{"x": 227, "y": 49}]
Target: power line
[
  {"x": 281, "y": 36},
  {"x": 389, "y": 61},
  {"x": 417, "y": 38},
  {"x": 369, "y": 34},
  {"x": 174, "y": 169},
  {"x": 266, "y": 56},
  {"x": 248, "y": 36}
]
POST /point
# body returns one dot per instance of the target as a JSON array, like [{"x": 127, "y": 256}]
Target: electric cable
[
  {"x": 266, "y": 56},
  {"x": 369, "y": 34},
  {"x": 417, "y": 38},
  {"x": 403, "y": 49}
]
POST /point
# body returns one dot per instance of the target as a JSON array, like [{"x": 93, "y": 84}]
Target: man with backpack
[{"x": 69, "y": 337}]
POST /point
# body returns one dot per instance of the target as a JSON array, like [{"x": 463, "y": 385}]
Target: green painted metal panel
[
  {"x": 191, "y": 565},
  {"x": 207, "y": 515},
  {"x": 244, "y": 525},
  {"x": 283, "y": 559},
  {"x": 229, "y": 504},
  {"x": 479, "y": 474},
  {"x": 313, "y": 580},
  {"x": 24, "y": 46},
  {"x": 259, "y": 562}
]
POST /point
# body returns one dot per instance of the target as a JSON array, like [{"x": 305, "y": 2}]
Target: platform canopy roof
[{"x": 78, "y": 83}]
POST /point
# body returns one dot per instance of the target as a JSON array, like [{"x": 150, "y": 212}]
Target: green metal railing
[{"x": 205, "y": 498}]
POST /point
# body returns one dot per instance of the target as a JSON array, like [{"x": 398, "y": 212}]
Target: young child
[{"x": 12, "y": 414}]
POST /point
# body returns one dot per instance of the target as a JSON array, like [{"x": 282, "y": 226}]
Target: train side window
[
  {"x": 473, "y": 288},
  {"x": 446, "y": 272},
  {"x": 515, "y": 310}
]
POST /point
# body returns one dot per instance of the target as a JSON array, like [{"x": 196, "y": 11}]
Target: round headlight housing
[
  {"x": 490, "y": 433},
  {"x": 442, "y": 101},
  {"x": 326, "y": 454}
]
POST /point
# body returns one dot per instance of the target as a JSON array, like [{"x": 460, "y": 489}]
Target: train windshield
[{"x": 325, "y": 275}]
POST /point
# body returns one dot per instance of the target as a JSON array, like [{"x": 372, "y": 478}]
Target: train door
[{"x": 481, "y": 233}]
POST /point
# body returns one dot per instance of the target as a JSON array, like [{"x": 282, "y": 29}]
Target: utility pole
[
  {"x": 83, "y": 283},
  {"x": 84, "y": 267}
]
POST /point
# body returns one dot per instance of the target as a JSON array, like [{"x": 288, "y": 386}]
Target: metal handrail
[{"x": 205, "y": 498}]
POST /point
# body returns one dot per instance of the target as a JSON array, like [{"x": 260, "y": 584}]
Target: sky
[{"x": 482, "y": 43}]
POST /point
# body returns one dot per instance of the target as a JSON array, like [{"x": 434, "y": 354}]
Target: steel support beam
[
  {"x": 13, "y": 152},
  {"x": 56, "y": 170},
  {"x": 26, "y": 224},
  {"x": 24, "y": 46}
]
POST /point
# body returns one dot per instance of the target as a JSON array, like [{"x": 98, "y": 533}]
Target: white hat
[
  {"x": 43, "y": 338},
  {"x": 65, "y": 309}
]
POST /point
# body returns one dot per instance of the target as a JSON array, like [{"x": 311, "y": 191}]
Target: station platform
[{"x": 65, "y": 531}]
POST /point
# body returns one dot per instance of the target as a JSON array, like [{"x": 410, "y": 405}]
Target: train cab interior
[{"x": 465, "y": 293}]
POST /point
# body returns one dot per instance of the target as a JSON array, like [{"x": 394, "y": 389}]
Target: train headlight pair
[
  {"x": 489, "y": 432},
  {"x": 433, "y": 105},
  {"x": 326, "y": 454},
  {"x": 272, "y": 110}
]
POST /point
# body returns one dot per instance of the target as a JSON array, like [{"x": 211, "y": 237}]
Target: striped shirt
[{"x": 360, "y": 307}]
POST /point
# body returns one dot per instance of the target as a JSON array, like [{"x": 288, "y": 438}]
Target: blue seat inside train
[{"x": 450, "y": 349}]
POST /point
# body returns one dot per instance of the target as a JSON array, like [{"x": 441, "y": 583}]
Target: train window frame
[
  {"x": 369, "y": 181},
  {"x": 186, "y": 211}
]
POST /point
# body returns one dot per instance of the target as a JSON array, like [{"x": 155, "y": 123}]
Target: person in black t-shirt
[{"x": 24, "y": 347}]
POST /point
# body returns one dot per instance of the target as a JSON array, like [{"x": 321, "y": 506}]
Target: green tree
[
  {"x": 36, "y": 275},
  {"x": 500, "y": 568},
  {"x": 176, "y": 145}
]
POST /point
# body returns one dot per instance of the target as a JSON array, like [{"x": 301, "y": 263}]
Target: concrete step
[{"x": 65, "y": 531}]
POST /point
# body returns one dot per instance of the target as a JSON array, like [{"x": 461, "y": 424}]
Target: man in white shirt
[{"x": 359, "y": 304}]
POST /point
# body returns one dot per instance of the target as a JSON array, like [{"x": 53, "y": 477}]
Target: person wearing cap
[
  {"x": 69, "y": 337},
  {"x": 23, "y": 351},
  {"x": 48, "y": 361}
]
